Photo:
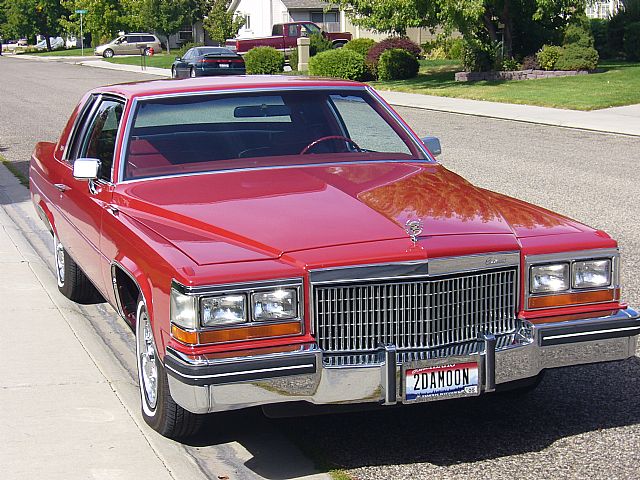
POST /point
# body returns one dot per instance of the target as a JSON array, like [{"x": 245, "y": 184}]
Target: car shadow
[
  {"x": 568, "y": 402},
  {"x": 9, "y": 191}
]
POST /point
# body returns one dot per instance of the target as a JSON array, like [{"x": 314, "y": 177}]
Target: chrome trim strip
[
  {"x": 471, "y": 263},
  {"x": 234, "y": 287},
  {"x": 245, "y": 372},
  {"x": 415, "y": 269},
  {"x": 594, "y": 332}
]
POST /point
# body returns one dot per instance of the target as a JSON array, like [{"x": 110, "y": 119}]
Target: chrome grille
[{"x": 414, "y": 314}]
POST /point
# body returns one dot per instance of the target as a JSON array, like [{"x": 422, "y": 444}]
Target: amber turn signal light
[
  {"x": 236, "y": 334},
  {"x": 567, "y": 299}
]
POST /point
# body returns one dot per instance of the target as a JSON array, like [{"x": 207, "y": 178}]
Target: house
[
  {"x": 261, "y": 15},
  {"x": 603, "y": 9}
]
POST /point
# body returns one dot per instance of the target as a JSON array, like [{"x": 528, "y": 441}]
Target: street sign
[{"x": 81, "y": 11}]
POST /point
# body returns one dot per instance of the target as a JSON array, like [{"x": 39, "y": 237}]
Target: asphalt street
[{"x": 582, "y": 422}]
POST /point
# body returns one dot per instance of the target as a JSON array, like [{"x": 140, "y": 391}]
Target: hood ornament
[{"x": 414, "y": 229}]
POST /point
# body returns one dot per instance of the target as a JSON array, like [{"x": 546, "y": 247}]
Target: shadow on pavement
[
  {"x": 568, "y": 402},
  {"x": 10, "y": 192}
]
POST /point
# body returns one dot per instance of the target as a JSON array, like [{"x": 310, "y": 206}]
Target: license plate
[
  {"x": 224, "y": 65},
  {"x": 442, "y": 381}
]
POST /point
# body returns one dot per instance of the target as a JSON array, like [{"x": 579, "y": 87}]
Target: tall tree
[
  {"x": 220, "y": 23},
  {"x": 484, "y": 20},
  {"x": 103, "y": 18},
  {"x": 29, "y": 18},
  {"x": 166, "y": 17}
]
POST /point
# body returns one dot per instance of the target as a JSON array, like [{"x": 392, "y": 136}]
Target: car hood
[{"x": 264, "y": 213}]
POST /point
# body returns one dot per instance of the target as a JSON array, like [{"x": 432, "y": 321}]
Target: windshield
[
  {"x": 201, "y": 133},
  {"x": 311, "y": 27}
]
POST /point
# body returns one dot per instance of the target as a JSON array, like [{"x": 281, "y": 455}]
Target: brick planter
[{"x": 517, "y": 75}]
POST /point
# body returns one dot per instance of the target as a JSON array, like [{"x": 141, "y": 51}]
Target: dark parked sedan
[{"x": 201, "y": 61}]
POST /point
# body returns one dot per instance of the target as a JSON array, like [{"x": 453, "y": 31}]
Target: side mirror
[
  {"x": 178, "y": 59},
  {"x": 433, "y": 144},
  {"x": 86, "y": 168}
]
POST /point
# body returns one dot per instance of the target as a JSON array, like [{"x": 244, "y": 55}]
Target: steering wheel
[{"x": 324, "y": 139}]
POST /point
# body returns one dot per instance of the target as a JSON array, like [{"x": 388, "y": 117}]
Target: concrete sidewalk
[
  {"x": 69, "y": 411},
  {"x": 621, "y": 120}
]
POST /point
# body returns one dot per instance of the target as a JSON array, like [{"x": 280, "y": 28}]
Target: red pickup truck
[{"x": 284, "y": 37}]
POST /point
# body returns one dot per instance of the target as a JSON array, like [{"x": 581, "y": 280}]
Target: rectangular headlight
[
  {"x": 183, "y": 310},
  {"x": 280, "y": 304},
  {"x": 223, "y": 310},
  {"x": 592, "y": 273},
  {"x": 550, "y": 278}
]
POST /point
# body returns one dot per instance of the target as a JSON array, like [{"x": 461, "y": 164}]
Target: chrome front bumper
[{"x": 203, "y": 385}]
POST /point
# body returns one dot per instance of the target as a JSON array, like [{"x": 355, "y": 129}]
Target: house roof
[{"x": 304, "y": 4}]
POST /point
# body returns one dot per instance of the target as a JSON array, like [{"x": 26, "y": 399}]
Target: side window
[
  {"x": 74, "y": 142},
  {"x": 100, "y": 138},
  {"x": 277, "y": 30},
  {"x": 293, "y": 30},
  {"x": 188, "y": 55}
]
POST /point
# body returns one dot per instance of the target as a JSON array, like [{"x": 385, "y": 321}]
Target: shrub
[
  {"x": 599, "y": 28},
  {"x": 340, "y": 63},
  {"x": 263, "y": 60},
  {"x": 615, "y": 34},
  {"x": 548, "y": 56},
  {"x": 632, "y": 41},
  {"x": 293, "y": 59},
  {"x": 510, "y": 64},
  {"x": 577, "y": 35},
  {"x": 186, "y": 46},
  {"x": 575, "y": 57},
  {"x": 530, "y": 63},
  {"x": 392, "y": 42},
  {"x": 454, "y": 51},
  {"x": 397, "y": 64},
  {"x": 318, "y": 44},
  {"x": 478, "y": 56},
  {"x": 360, "y": 45},
  {"x": 437, "y": 53}
]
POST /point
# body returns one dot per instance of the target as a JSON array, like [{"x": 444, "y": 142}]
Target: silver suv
[{"x": 129, "y": 44}]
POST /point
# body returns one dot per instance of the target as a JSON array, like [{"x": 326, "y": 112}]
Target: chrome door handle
[
  {"x": 113, "y": 209},
  {"x": 61, "y": 186}
]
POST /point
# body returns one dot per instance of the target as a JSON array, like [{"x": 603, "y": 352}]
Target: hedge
[
  {"x": 339, "y": 63},
  {"x": 264, "y": 61}
]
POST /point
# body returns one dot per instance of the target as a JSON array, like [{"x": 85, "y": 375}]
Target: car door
[
  {"x": 185, "y": 64},
  {"x": 129, "y": 46},
  {"x": 83, "y": 203}
]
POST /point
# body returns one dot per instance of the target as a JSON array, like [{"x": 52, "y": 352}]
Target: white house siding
[
  {"x": 603, "y": 9},
  {"x": 262, "y": 14}
]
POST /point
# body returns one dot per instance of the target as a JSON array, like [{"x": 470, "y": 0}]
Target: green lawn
[
  {"x": 160, "y": 60},
  {"x": 72, "y": 52},
  {"x": 618, "y": 84}
]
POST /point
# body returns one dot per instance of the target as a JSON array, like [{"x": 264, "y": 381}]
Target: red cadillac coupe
[{"x": 286, "y": 239}]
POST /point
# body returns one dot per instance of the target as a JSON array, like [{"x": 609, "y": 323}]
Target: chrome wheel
[
  {"x": 173, "y": 72},
  {"x": 108, "y": 53},
  {"x": 192, "y": 72},
  {"x": 147, "y": 361},
  {"x": 58, "y": 251}
]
